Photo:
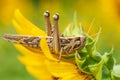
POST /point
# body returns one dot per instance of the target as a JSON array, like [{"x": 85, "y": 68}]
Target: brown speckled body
[{"x": 68, "y": 44}]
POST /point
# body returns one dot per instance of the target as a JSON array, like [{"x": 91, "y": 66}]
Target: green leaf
[
  {"x": 106, "y": 73},
  {"x": 96, "y": 70},
  {"x": 68, "y": 31},
  {"x": 73, "y": 29},
  {"x": 89, "y": 60},
  {"x": 82, "y": 31},
  {"x": 84, "y": 62},
  {"x": 91, "y": 50},
  {"x": 91, "y": 47},
  {"x": 109, "y": 60},
  {"x": 93, "y": 62},
  {"x": 82, "y": 53},
  {"x": 79, "y": 61},
  {"x": 116, "y": 72}
]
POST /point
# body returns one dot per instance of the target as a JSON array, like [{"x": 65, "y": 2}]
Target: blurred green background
[{"x": 105, "y": 12}]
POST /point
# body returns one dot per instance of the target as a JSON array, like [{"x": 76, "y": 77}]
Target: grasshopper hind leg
[
  {"x": 48, "y": 23},
  {"x": 56, "y": 38}
]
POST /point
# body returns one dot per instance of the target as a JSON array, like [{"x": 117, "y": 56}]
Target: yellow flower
[
  {"x": 32, "y": 59},
  {"x": 66, "y": 71},
  {"x": 41, "y": 64},
  {"x": 63, "y": 70},
  {"x": 7, "y": 8}
]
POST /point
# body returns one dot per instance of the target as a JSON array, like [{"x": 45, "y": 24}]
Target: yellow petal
[
  {"x": 60, "y": 69},
  {"x": 32, "y": 61},
  {"x": 45, "y": 49},
  {"x": 65, "y": 70},
  {"x": 34, "y": 64},
  {"x": 40, "y": 73},
  {"x": 76, "y": 77},
  {"x": 27, "y": 52},
  {"x": 36, "y": 67},
  {"x": 18, "y": 28},
  {"x": 24, "y": 26}
]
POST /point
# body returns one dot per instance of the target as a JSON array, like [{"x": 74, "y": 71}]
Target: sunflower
[
  {"x": 32, "y": 59},
  {"x": 42, "y": 64}
]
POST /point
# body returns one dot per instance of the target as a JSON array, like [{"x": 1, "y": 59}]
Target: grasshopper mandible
[{"x": 58, "y": 44}]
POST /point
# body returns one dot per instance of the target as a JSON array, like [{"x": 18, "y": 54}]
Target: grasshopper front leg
[{"x": 69, "y": 48}]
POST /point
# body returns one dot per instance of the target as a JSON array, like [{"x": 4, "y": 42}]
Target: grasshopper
[{"x": 58, "y": 44}]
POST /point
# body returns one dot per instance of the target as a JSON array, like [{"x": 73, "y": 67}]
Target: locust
[{"x": 58, "y": 44}]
